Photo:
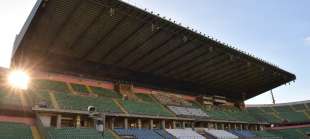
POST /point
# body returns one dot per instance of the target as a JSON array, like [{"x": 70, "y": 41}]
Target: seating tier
[
  {"x": 144, "y": 108},
  {"x": 14, "y": 131},
  {"x": 139, "y": 133}
]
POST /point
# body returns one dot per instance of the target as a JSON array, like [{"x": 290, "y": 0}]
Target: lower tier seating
[
  {"x": 185, "y": 134},
  {"x": 77, "y": 133},
  {"x": 185, "y": 111},
  {"x": 139, "y": 133},
  {"x": 14, "y": 131},
  {"x": 289, "y": 133},
  {"x": 243, "y": 133},
  {"x": 264, "y": 134},
  {"x": 164, "y": 134},
  {"x": 220, "y": 134}
]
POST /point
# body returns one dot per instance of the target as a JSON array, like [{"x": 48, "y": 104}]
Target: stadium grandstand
[{"x": 106, "y": 69}]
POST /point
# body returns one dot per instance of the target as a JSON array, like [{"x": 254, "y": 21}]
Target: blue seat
[{"x": 243, "y": 133}]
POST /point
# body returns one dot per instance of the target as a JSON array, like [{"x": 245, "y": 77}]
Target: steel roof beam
[
  {"x": 165, "y": 55},
  {"x": 196, "y": 72},
  {"x": 122, "y": 58},
  {"x": 103, "y": 38},
  {"x": 133, "y": 63},
  {"x": 162, "y": 64},
  {"x": 121, "y": 43},
  {"x": 192, "y": 63}
]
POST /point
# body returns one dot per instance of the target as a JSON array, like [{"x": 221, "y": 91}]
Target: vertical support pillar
[
  {"x": 112, "y": 123},
  {"x": 78, "y": 121},
  {"x": 183, "y": 124},
  {"x": 173, "y": 124},
  {"x": 139, "y": 124},
  {"x": 58, "y": 125},
  {"x": 223, "y": 126},
  {"x": 163, "y": 124},
  {"x": 241, "y": 126},
  {"x": 235, "y": 126},
  {"x": 215, "y": 126},
  {"x": 85, "y": 122},
  {"x": 229, "y": 126},
  {"x": 151, "y": 124},
  {"x": 126, "y": 123}
]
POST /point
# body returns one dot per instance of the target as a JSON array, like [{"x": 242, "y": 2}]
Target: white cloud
[{"x": 307, "y": 40}]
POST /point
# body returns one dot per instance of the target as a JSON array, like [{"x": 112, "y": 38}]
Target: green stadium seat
[
  {"x": 145, "y": 108},
  {"x": 264, "y": 134},
  {"x": 288, "y": 133},
  {"x": 75, "y": 102},
  {"x": 79, "y": 88},
  {"x": 77, "y": 133},
  {"x": 286, "y": 108},
  {"x": 51, "y": 85},
  {"x": 293, "y": 116},
  {"x": 145, "y": 97},
  {"x": 37, "y": 96},
  {"x": 299, "y": 107},
  {"x": 267, "y": 109},
  {"x": 105, "y": 92},
  {"x": 10, "y": 130},
  {"x": 10, "y": 99}
]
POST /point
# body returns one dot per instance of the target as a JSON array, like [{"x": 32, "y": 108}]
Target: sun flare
[{"x": 19, "y": 79}]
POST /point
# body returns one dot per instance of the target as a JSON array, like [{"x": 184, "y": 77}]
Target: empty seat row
[
  {"x": 139, "y": 133},
  {"x": 186, "y": 111},
  {"x": 75, "y": 102},
  {"x": 79, "y": 88},
  {"x": 145, "y": 108},
  {"x": 220, "y": 134},
  {"x": 10, "y": 130},
  {"x": 77, "y": 133},
  {"x": 185, "y": 134}
]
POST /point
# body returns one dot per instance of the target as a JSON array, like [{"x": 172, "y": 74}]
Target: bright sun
[{"x": 19, "y": 79}]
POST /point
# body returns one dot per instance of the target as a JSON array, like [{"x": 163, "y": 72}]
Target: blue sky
[{"x": 277, "y": 31}]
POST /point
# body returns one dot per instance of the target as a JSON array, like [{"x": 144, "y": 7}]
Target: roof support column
[
  {"x": 151, "y": 124},
  {"x": 223, "y": 126},
  {"x": 163, "y": 124},
  {"x": 126, "y": 123},
  {"x": 215, "y": 126},
  {"x": 78, "y": 121},
  {"x": 58, "y": 125},
  {"x": 112, "y": 122},
  {"x": 183, "y": 124},
  {"x": 173, "y": 124},
  {"x": 208, "y": 125},
  {"x": 139, "y": 124}
]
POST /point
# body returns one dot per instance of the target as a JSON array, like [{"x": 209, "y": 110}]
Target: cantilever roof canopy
[{"x": 110, "y": 39}]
